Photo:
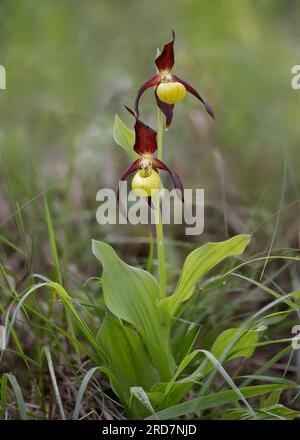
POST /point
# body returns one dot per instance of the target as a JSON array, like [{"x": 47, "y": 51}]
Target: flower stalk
[{"x": 159, "y": 227}]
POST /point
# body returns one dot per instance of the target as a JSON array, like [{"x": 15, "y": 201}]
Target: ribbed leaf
[
  {"x": 233, "y": 343},
  {"x": 140, "y": 404},
  {"x": 126, "y": 356},
  {"x": 132, "y": 294}
]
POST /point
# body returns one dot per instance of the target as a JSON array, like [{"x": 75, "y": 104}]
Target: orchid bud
[
  {"x": 143, "y": 184},
  {"x": 171, "y": 92}
]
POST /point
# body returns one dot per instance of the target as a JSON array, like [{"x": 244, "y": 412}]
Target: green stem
[
  {"x": 159, "y": 226},
  {"x": 160, "y": 124}
]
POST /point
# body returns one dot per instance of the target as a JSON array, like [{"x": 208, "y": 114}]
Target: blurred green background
[{"x": 71, "y": 64}]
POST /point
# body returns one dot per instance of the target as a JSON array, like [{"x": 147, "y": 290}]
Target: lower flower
[{"x": 146, "y": 167}]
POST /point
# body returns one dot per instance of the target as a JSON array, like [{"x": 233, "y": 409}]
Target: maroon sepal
[
  {"x": 194, "y": 92},
  {"x": 131, "y": 169},
  {"x": 150, "y": 83},
  {"x": 167, "y": 110},
  {"x": 156, "y": 163},
  {"x": 145, "y": 136},
  {"x": 165, "y": 61}
]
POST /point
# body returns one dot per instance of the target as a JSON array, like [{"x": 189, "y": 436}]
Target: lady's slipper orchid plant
[
  {"x": 169, "y": 87},
  {"x": 146, "y": 178},
  {"x": 136, "y": 299}
]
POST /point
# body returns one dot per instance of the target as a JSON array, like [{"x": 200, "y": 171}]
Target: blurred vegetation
[{"x": 71, "y": 64}]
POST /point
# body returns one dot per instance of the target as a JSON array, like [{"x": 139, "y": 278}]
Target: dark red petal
[
  {"x": 145, "y": 136},
  {"x": 194, "y": 92},
  {"x": 176, "y": 179},
  {"x": 167, "y": 110},
  {"x": 150, "y": 83},
  {"x": 165, "y": 61}
]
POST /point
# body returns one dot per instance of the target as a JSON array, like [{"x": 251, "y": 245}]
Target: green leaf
[
  {"x": 156, "y": 396},
  {"x": 196, "y": 265},
  {"x": 140, "y": 404},
  {"x": 126, "y": 356},
  {"x": 163, "y": 395},
  {"x": 124, "y": 137},
  {"x": 238, "y": 342},
  {"x": 132, "y": 294},
  {"x": 114, "y": 383},
  {"x": 231, "y": 344},
  {"x": 273, "y": 398},
  {"x": 214, "y": 400},
  {"x": 184, "y": 340}
]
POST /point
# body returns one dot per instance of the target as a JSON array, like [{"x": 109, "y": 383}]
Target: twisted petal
[
  {"x": 167, "y": 110},
  {"x": 165, "y": 61},
  {"x": 194, "y": 92},
  {"x": 150, "y": 83},
  {"x": 131, "y": 169},
  {"x": 145, "y": 136},
  {"x": 156, "y": 163}
]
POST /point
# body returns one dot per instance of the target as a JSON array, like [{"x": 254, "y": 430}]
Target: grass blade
[
  {"x": 81, "y": 391},
  {"x": 214, "y": 400},
  {"x": 52, "y": 242},
  {"x": 54, "y": 382},
  {"x": 18, "y": 394}
]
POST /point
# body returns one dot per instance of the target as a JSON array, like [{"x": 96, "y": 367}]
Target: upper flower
[
  {"x": 169, "y": 87},
  {"x": 146, "y": 178}
]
